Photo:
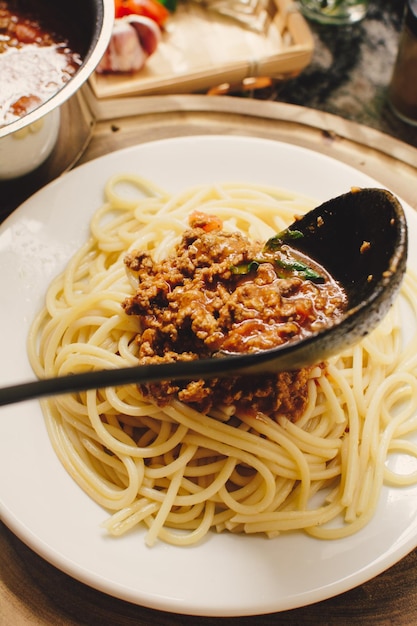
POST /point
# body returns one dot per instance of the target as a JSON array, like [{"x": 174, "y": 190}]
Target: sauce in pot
[{"x": 36, "y": 58}]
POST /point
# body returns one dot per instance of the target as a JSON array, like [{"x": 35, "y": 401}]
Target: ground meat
[
  {"x": 284, "y": 393},
  {"x": 194, "y": 304}
]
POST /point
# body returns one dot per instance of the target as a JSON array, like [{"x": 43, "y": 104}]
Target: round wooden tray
[
  {"x": 33, "y": 592},
  {"x": 386, "y": 159}
]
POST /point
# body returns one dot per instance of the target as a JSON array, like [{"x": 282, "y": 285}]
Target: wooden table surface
[{"x": 34, "y": 592}]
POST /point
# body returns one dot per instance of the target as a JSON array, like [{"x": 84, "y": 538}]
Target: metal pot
[{"x": 28, "y": 141}]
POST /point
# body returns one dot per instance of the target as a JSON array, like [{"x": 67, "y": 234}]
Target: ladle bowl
[{"x": 359, "y": 237}]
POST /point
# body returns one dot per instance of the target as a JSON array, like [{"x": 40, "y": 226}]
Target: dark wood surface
[{"x": 32, "y": 591}]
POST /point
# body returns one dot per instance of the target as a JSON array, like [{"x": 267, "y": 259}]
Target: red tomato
[
  {"x": 205, "y": 221},
  {"x": 149, "y": 8}
]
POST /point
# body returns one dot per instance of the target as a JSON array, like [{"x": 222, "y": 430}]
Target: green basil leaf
[
  {"x": 300, "y": 269},
  {"x": 245, "y": 268},
  {"x": 275, "y": 242}
]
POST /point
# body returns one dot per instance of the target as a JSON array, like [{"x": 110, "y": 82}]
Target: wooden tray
[
  {"x": 200, "y": 49},
  {"x": 33, "y": 592},
  {"x": 388, "y": 160}
]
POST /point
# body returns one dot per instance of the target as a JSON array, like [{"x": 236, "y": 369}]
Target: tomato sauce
[{"x": 36, "y": 58}]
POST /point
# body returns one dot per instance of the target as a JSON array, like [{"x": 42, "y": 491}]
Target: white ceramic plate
[{"x": 226, "y": 575}]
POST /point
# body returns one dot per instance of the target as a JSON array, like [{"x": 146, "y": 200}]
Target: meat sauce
[
  {"x": 221, "y": 292},
  {"x": 36, "y": 59}
]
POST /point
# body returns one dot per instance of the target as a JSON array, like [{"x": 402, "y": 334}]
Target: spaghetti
[{"x": 182, "y": 473}]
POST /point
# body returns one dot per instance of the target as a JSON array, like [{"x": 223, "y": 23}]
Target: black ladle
[{"x": 359, "y": 237}]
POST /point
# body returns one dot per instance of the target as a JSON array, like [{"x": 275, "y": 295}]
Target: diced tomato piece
[
  {"x": 25, "y": 104},
  {"x": 27, "y": 33},
  {"x": 303, "y": 309},
  {"x": 207, "y": 222}
]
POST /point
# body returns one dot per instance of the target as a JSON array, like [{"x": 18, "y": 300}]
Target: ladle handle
[{"x": 179, "y": 370}]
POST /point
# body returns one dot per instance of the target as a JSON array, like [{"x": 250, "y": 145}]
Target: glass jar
[
  {"x": 402, "y": 91},
  {"x": 336, "y": 12}
]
